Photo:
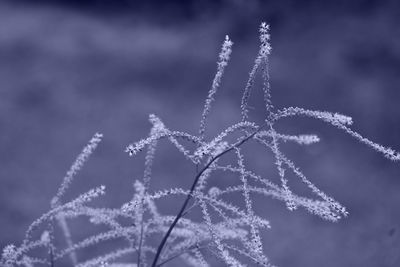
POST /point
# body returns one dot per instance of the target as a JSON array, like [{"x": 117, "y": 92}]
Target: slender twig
[
  {"x": 181, "y": 253},
  {"x": 189, "y": 195},
  {"x": 51, "y": 256},
  {"x": 189, "y": 209},
  {"x": 140, "y": 242}
]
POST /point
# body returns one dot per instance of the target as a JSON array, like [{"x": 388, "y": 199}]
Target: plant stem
[
  {"x": 189, "y": 196},
  {"x": 179, "y": 254},
  {"x": 140, "y": 243},
  {"x": 51, "y": 257}
]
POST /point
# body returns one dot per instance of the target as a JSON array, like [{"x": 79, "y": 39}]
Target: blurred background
[{"x": 70, "y": 68}]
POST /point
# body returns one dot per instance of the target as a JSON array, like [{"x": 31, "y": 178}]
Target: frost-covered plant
[{"x": 230, "y": 232}]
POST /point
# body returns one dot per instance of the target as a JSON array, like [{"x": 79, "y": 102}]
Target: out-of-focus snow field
[{"x": 66, "y": 74}]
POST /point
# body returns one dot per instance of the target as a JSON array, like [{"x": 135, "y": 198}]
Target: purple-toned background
[{"x": 71, "y": 68}]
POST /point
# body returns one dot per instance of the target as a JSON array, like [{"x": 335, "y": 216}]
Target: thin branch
[{"x": 189, "y": 195}]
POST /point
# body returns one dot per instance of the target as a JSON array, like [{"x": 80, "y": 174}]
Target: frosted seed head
[
  {"x": 214, "y": 192},
  {"x": 9, "y": 254},
  {"x": 225, "y": 51},
  {"x": 308, "y": 139},
  {"x": 129, "y": 207},
  {"x": 45, "y": 237},
  {"x": 264, "y": 39},
  {"x": 136, "y": 148},
  {"x": 343, "y": 119}
]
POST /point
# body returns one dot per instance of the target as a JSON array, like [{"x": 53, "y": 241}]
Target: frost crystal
[{"x": 9, "y": 253}]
